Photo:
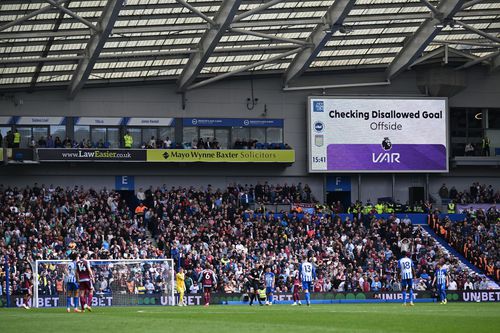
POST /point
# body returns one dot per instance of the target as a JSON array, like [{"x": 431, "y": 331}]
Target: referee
[{"x": 254, "y": 283}]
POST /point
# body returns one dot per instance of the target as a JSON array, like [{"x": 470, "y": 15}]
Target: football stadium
[{"x": 249, "y": 165}]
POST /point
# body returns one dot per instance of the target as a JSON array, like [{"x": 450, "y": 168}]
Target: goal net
[{"x": 116, "y": 282}]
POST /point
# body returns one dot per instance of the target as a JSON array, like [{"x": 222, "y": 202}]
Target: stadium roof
[{"x": 195, "y": 42}]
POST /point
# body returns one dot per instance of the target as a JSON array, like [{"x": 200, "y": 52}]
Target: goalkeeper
[{"x": 181, "y": 286}]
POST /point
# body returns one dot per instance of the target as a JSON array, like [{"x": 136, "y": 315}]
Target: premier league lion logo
[{"x": 386, "y": 144}]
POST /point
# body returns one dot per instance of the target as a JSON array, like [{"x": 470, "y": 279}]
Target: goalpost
[{"x": 117, "y": 282}]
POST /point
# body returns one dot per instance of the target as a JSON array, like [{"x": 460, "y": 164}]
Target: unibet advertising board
[{"x": 347, "y": 134}]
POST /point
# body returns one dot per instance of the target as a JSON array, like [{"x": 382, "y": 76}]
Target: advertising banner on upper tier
[
  {"x": 91, "y": 155},
  {"x": 356, "y": 134},
  {"x": 40, "y": 120},
  {"x": 232, "y": 122},
  {"x": 218, "y": 156}
]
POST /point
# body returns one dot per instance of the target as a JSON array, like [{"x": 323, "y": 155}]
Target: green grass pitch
[{"x": 435, "y": 318}]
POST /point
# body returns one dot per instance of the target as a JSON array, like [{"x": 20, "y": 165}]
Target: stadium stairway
[{"x": 445, "y": 247}]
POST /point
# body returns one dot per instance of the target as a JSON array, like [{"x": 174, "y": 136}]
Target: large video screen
[{"x": 356, "y": 134}]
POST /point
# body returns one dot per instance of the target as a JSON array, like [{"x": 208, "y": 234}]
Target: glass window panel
[
  {"x": 136, "y": 134},
  {"x": 474, "y": 118},
  {"x": 494, "y": 118},
  {"x": 39, "y": 132},
  {"x": 4, "y": 131},
  {"x": 222, "y": 136},
  {"x": 58, "y": 130},
  {"x": 475, "y": 133},
  {"x": 258, "y": 133},
  {"x": 458, "y": 149},
  {"x": 274, "y": 135},
  {"x": 98, "y": 136},
  {"x": 188, "y": 135},
  {"x": 25, "y": 136},
  {"x": 207, "y": 133},
  {"x": 457, "y": 118},
  {"x": 166, "y": 132},
  {"x": 148, "y": 134},
  {"x": 239, "y": 133},
  {"x": 113, "y": 138},
  {"x": 81, "y": 133}
]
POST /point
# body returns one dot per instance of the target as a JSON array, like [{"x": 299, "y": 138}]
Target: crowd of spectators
[
  {"x": 110, "y": 278},
  {"x": 196, "y": 226},
  {"x": 238, "y": 144},
  {"x": 476, "y": 238},
  {"x": 40, "y": 222},
  {"x": 351, "y": 255},
  {"x": 205, "y": 144},
  {"x": 476, "y": 194},
  {"x": 158, "y": 143},
  {"x": 153, "y": 143},
  {"x": 255, "y": 144},
  {"x": 383, "y": 207}
]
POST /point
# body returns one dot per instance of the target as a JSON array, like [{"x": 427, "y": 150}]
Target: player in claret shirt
[
  {"x": 208, "y": 280},
  {"x": 296, "y": 288},
  {"x": 85, "y": 276},
  {"x": 26, "y": 286}
]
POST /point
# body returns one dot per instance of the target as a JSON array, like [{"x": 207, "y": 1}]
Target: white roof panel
[{"x": 146, "y": 30}]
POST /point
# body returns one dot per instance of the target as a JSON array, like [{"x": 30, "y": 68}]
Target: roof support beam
[
  {"x": 196, "y": 11},
  {"x": 268, "y": 36},
  {"x": 477, "y": 31},
  {"x": 256, "y": 10},
  {"x": 73, "y": 15},
  {"x": 30, "y": 15},
  {"x": 47, "y": 47},
  {"x": 430, "y": 6},
  {"x": 471, "y": 3},
  {"x": 332, "y": 21},
  {"x": 208, "y": 42},
  {"x": 478, "y": 60},
  {"x": 465, "y": 42},
  {"x": 429, "y": 55},
  {"x": 103, "y": 58},
  {"x": 462, "y": 54},
  {"x": 94, "y": 46},
  {"x": 445, "y": 49},
  {"x": 423, "y": 37},
  {"x": 244, "y": 68}
]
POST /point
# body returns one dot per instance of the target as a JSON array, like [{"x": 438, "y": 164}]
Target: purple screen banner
[{"x": 399, "y": 157}]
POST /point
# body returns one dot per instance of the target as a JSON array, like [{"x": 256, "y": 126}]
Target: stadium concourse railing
[{"x": 37, "y": 155}]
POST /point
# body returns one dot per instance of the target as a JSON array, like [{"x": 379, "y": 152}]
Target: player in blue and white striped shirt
[
  {"x": 441, "y": 281},
  {"x": 407, "y": 271},
  {"x": 71, "y": 284},
  {"x": 307, "y": 274},
  {"x": 269, "y": 280}
]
